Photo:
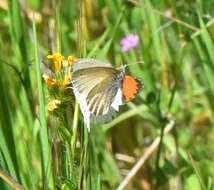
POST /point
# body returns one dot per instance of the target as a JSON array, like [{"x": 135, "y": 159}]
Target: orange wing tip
[{"x": 130, "y": 87}]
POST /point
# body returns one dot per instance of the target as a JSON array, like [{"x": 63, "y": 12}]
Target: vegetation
[{"x": 41, "y": 149}]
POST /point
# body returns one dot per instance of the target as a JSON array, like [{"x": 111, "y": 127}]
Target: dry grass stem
[
  {"x": 165, "y": 15},
  {"x": 145, "y": 157}
]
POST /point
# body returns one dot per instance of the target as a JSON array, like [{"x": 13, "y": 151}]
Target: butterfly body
[{"x": 100, "y": 89}]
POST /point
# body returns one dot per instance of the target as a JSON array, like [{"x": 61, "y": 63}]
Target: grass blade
[{"x": 46, "y": 154}]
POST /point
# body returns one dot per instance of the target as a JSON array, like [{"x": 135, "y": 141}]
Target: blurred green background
[{"x": 42, "y": 150}]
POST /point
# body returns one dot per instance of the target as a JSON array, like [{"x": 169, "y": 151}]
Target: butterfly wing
[
  {"x": 88, "y": 63},
  {"x": 95, "y": 85},
  {"x": 101, "y": 119}
]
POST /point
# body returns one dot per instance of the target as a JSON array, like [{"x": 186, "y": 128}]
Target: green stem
[
  {"x": 75, "y": 127},
  {"x": 46, "y": 153},
  {"x": 159, "y": 149},
  {"x": 83, "y": 161}
]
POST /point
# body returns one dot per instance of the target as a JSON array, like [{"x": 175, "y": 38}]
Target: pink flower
[{"x": 130, "y": 41}]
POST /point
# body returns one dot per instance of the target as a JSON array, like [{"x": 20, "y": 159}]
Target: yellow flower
[
  {"x": 53, "y": 82},
  {"x": 50, "y": 81},
  {"x": 52, "y": 105},
  {"x": 67, "y": 80},
  {"x": 63, "y": 67},
  {"x": 56, "y": 58},
  {"x": 46, "y": 78},
  {"x": 70, "y": 60}
]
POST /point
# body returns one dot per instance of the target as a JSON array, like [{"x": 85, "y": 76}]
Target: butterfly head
[{"x": 130, "y": 86}]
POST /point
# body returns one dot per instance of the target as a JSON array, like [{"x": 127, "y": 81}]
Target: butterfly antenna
[
  {"x": 127, "y": 65},
  {"x": 139, "y": 62}
]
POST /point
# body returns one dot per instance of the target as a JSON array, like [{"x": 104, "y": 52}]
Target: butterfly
[{"x": 100, "y": 89}]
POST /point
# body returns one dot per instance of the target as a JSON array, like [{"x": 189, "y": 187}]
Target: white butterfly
[{"x": 100, "y": 89}]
